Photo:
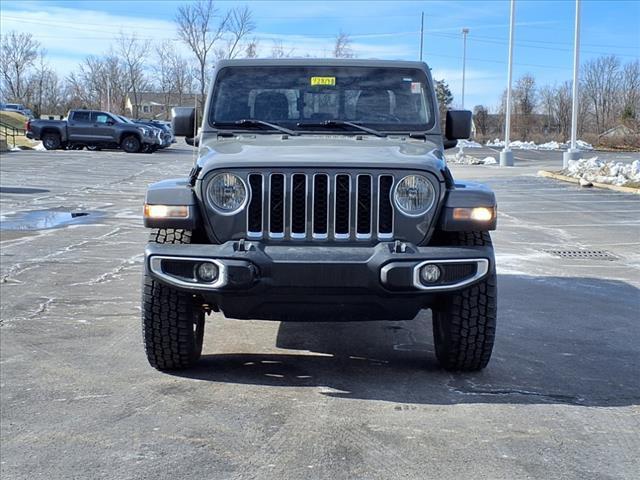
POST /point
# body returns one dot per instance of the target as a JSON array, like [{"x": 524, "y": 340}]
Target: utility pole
[
  {"x": 465, "y": 31},
  {"x": 108, "y": 95},
  {"x": 421, "y": 34},
  {"x": 574, "y": 153},
  {"x": 506, "y": 155}
]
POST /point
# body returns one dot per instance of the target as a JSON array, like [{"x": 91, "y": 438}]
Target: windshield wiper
[
  {"x": 248, "y": 122},
  {"x": 341, "y": 124}
]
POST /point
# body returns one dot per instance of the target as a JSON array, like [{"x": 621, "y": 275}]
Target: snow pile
[
  {"x": 461, "y": 158},
  {"x": 468, "y": 144},
  {"x": 39, "y": 146},
  {"x": 599, "y": 171},
  {"x": 582, "y": 145}
]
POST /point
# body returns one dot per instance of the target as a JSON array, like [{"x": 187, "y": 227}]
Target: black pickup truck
[{"x": 94, "y": 129}]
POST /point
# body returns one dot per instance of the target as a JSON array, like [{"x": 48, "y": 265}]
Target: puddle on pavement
[
  {"x": 22, "y": 190},
  {"x": 45, "y": 219}
]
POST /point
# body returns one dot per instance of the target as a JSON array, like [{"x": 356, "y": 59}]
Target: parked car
[
  {"x": 17, "y": 107},
  {"x": 167, "y": 136},
  {"x": 321, "y": 193},
  {"x": 95, "y": 129}
]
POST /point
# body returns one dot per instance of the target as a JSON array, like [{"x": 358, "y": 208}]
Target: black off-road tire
[
  {"x": 172, "y": 320},
  {"x": 51, "y": 141},
  {"x": 130, "y": 144},
  {"x": 464, "y": 324}
]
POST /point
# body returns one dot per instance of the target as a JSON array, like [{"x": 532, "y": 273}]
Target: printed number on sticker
[{"x": 323, "y": 81}]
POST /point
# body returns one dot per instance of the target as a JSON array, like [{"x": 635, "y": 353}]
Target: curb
[{"x": 617, "y": 188}]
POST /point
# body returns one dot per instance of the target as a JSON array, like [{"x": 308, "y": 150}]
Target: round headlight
[
  {"x": 227, "y": 193},
  {"x": 414, "y": 195}
]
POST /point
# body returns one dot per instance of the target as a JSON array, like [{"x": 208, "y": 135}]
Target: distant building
[{"x": 153, "y": 105}]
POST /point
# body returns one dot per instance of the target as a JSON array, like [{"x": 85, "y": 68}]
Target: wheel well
[
  {"x": 47, "y": 131},
  {"x": 124, "y": 135}
]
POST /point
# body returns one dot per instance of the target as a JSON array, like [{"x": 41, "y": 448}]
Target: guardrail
[{"x": 11, "y": 132}]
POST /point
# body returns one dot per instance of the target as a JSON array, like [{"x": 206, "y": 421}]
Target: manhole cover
[{"x": 583, "y": 254}]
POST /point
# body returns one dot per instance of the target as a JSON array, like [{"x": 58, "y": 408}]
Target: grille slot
[
  {"x": 254, "y": 212},
  {"x": 320, "y": 206},
  {"x": 363, "y": 207},
  {"x": 276, "y": 206},
  {"x": 385, "y": 209},
  {"x": 298, "y": 205},
  {"x": 342, "y": 205}
]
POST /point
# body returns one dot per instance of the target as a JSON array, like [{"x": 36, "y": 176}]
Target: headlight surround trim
[
  {"x": 238, "y": 206},
  {"x": 414, "y": 213}
]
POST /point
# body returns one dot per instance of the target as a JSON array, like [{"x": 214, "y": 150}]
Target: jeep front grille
[{"x": 320, "y": 206}]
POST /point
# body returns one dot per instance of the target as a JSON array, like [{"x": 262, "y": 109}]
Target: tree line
[
  {"x": 609, "y": 89},
  {"x": 132, "y": 65},
  {"x": 609, "y": 96}
]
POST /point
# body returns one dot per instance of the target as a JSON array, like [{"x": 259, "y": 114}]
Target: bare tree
[
  {"x": 278, "y": 50},
  {"x": 481, "y": 118},
  {"x": 239, "y": 26},
  {"x": 200, "y": 27},
  {"x": 630, "y": 93},
  {"x": 165, "y": 80},
  {"x": 18, "y": 53},
  {"x": 342, "y": 47},
  {"x": 133, "y": 53},
  {"x": 251, "y": 49},
  {"x": 524, "y": 103},
  {"x": 601, "y": 82}
]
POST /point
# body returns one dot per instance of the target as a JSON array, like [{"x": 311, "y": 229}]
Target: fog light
[
  {"x": 207, "y": 272},
  {"x": 430, "y": 273}
]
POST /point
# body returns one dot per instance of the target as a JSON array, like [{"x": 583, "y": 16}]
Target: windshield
[
  {"x": 124, "y": 119},
  {"x": 305, "y": 98}
]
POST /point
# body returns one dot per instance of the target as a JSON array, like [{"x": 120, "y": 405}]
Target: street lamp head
[{"x": 465, "y": 30}]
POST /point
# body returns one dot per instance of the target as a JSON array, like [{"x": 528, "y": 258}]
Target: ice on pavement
[{"x": 599, "y": 171}]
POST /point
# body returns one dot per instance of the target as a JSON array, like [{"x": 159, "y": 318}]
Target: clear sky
[{"x": 71, "y": 30}]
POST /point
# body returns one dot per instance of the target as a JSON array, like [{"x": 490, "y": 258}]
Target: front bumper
[{"x": 277, "y": 281}]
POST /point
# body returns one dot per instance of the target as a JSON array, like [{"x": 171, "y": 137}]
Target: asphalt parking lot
[{"x": 312, "y": 401}]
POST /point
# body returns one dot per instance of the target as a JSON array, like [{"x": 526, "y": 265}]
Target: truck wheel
[
  {"x": 172, "y": 321},
  {"x": 130, "y": 144},
  {"x": 51, "y": 141},
  {"x": 94, "y": 148},
  {"x": 464, "y": 324}
]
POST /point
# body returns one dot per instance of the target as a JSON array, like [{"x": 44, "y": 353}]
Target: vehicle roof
[{"x": 321, "y": 62}]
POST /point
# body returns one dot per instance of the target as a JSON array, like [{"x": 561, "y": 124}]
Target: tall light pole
[
  {"x": 421, "y": 34},
  {"x": 574, "y": 153},
  {"x": 465, "y": 31},
  {"x": 506, "y": 155}
]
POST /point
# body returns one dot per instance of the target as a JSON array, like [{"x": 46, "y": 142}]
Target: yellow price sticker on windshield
[{"x": 323, "y": 81}]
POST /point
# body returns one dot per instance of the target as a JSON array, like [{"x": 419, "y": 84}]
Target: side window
[
  {"x": 82, "y": 117},
  {"x": 101, "y": 118}
]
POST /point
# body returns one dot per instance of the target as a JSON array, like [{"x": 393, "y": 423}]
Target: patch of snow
[
  {"x": 15, "y": 149},
  {"x": 582, "y": 145},
  {"x": 468, "y": 144},
  {"x": 599, "y": 171},
  {"x": 489, "y": 161},
  {"x": 39, "y": 146}
]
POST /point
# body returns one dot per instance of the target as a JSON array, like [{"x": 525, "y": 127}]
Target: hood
[{"x": 326, "y": 151}]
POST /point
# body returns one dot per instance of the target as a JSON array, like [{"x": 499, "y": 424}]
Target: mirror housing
[
  {"x": 458, "y": 124},
  {"x": 183, "y": 121}
]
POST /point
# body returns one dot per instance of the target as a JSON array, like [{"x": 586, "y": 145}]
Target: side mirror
[
  {"x": 183, "y": 121},
  {"x": 193, "y": 141},
  {"x": 446, "y": 143},
  {"x": 458, "y": 124}
]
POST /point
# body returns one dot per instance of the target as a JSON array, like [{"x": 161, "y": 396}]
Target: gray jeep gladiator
[
  {"x": 95, "y": 129},
  {"x": 320, "y": 193}
]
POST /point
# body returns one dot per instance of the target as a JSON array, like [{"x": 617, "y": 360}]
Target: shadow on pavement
[{"x": 563, "y": 340}]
